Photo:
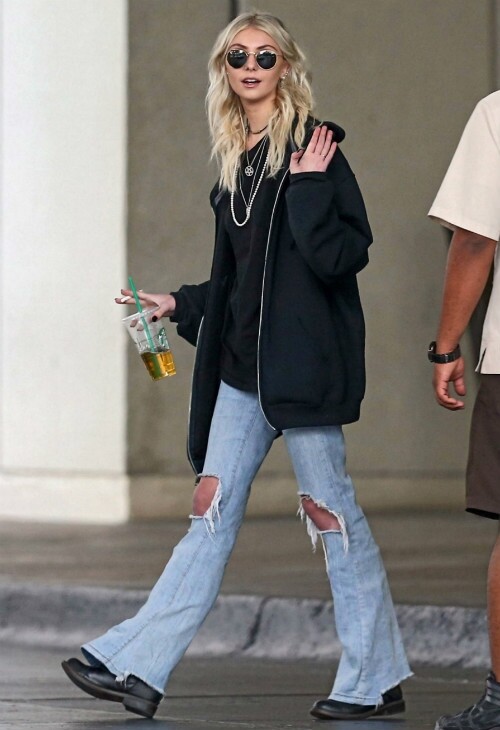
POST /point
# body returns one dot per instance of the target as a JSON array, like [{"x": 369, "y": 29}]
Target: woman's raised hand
[
  {"x": 318, "y": 153},
  {"x": 165, "y": 302}
]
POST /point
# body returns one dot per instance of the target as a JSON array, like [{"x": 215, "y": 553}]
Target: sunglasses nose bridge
[{"x": 253, "y": 63}]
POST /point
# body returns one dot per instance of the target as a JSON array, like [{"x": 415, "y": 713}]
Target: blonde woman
[{"x": 279, "y": 333}]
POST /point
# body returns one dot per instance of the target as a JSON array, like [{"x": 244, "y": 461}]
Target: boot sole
[
  {"x": 131, "y": 703},
  {"x": 391, "y": 708},
  {"x": 139, "y": 706}
]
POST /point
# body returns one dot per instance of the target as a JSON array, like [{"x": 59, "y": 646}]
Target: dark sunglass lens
[
  {"x": 236, "y": 59},
  {"x": 266, "y": 59}
]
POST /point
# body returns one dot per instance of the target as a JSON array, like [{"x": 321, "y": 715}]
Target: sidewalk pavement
[
  {"x": 214, "y": 694},
  {"x": 63, "y": 584}
]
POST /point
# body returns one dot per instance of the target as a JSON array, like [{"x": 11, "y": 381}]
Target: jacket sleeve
[
  {"x": 328, "y": 220},
  {"x": 189, "y": 309}
]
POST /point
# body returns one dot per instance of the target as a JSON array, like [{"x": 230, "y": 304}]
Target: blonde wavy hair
[{"x": 224, "y": 110}]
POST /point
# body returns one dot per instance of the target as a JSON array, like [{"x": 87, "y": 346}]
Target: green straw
[{"x": 139, "y": 308}]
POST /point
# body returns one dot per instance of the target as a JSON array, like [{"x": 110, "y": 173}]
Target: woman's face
[{"x": 252, "y": 83}]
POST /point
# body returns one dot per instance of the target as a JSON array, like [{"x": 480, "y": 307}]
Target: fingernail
[
  {"x": 124, "y": 299},
  {"x": 154, "y": 318}
]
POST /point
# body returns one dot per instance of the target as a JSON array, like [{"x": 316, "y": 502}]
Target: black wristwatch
[{"x": 442, "y": 358}]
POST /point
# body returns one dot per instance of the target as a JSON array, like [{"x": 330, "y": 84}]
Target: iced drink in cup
[{"x": 151, "y": 341}]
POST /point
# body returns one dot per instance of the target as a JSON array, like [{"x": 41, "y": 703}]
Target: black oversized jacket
[{"x": 311, "y": 368}]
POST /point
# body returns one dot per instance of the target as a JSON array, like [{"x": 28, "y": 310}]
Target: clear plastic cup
[{"x": 150, "y": 339}]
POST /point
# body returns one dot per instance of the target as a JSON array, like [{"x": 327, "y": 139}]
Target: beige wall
[
  {"x": 395, "y": 74},
  {"x": 170, "y": 223}
]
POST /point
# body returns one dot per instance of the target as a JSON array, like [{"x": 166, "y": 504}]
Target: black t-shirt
[{"x": 241, "y": 327}]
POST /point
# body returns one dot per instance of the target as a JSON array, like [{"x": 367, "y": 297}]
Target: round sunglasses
[{"x": 238, "y": 57}]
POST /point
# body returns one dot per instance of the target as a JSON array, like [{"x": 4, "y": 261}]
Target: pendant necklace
[
  {"x": 249, "y": 169},
  {"x": 258, "y": 156},
  {"x": 249, "y": 203}
]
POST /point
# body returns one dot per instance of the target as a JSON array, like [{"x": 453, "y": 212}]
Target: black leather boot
[
  {"x": 392, "y": 702},
  {"x": 135, "y": 695}
]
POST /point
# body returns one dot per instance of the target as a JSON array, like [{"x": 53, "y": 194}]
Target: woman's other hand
[
  {"x": 165, "y": 302},
  {"x": 318, "y": 153}
]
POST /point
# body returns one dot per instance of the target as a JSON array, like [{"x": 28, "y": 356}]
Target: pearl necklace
[{"x": 252, "y": 198}]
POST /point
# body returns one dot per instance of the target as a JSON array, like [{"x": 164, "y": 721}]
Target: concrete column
[{"x": 62, "y": 258}]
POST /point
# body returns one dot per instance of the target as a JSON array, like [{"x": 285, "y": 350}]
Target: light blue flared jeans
[{"x": 150, "y": 644}]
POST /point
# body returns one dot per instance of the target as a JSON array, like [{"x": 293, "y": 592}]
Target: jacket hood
[
  {"x": 338, "y": 132},
  {"x": 311, "y": 124}
]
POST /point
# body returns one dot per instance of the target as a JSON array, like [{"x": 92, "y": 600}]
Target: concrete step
[{"x": 239, "y": 625}]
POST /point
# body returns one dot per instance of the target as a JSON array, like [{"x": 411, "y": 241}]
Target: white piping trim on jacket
[
  {"x": 262, "y": 297},
  {"x": 191, "y": 398}
]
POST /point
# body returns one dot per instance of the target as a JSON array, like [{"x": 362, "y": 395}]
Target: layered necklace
[
  {"x": 254, "y": 189},
  {"x": 249, "y": 169}
]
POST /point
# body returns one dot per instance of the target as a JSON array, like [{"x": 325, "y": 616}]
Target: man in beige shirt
[{"x": 468, "y": 203}]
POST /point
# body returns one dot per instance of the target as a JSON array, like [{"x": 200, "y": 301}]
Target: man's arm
[{"x": 469, "y": 262}]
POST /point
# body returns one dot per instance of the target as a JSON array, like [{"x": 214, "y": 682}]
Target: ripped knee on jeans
[
  {"x": 321, "y": 519},
  {"x": 206, "y": 500}
]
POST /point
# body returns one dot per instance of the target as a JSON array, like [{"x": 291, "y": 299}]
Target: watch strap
[{"x": 442, "y": 358}]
